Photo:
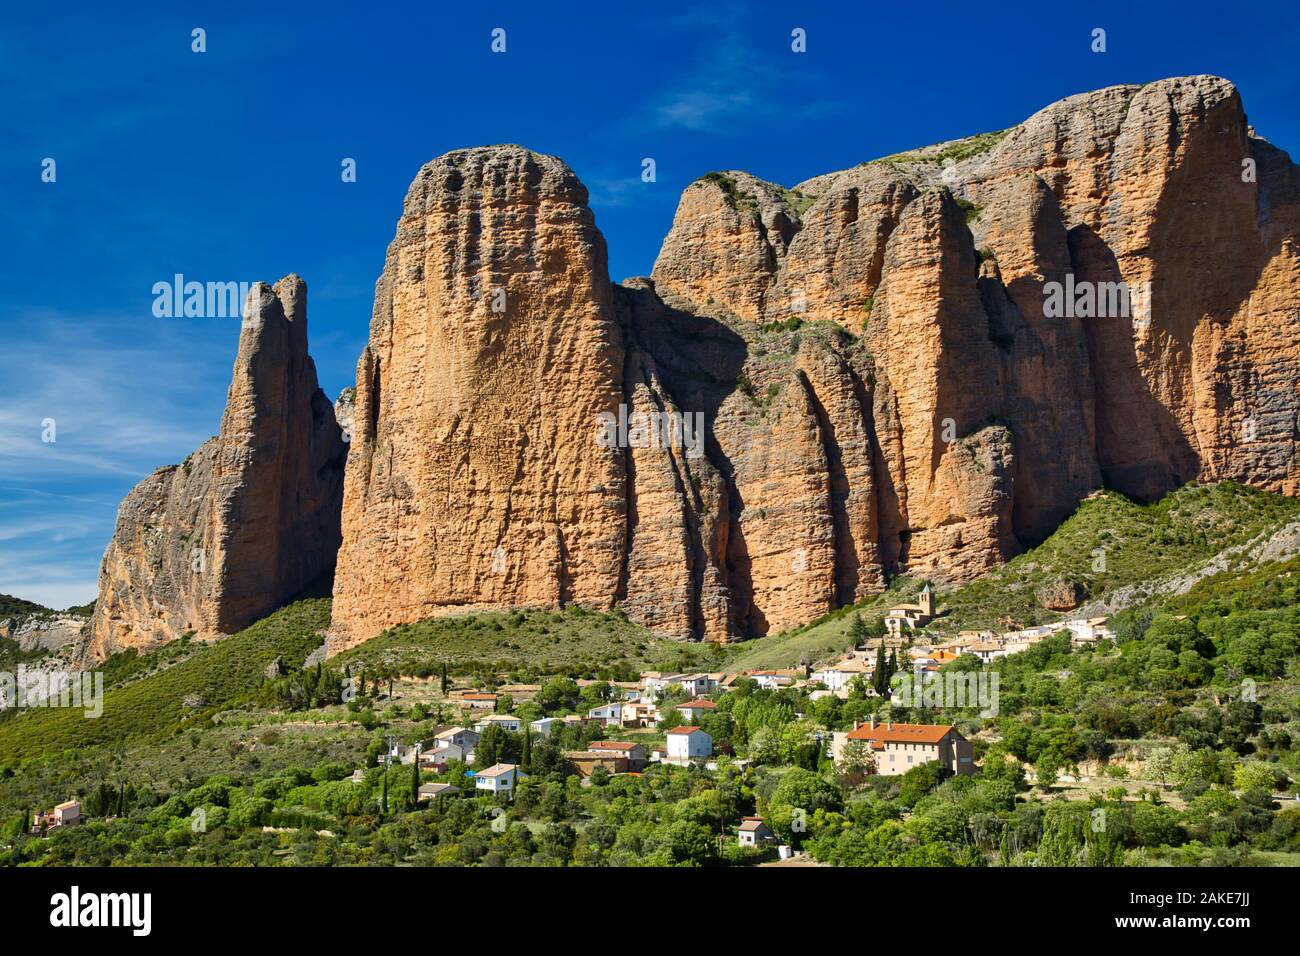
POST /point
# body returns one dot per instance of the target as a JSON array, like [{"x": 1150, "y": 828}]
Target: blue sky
[{"x": 225, "y": 166}]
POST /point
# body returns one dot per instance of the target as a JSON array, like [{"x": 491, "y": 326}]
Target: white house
[
  {"x": 688, "y": 743},
  {"x": 771, "y": 680},
  {"x": 987, "y": 652},
  {"x": 698, "y": 684},
  {"x": 504, "y": 721},
  {"x": 656, "y": 682},
  {"x": 499, "y": 778},
  {"x": 1083, "y": 633},
  {"x": 68, "y": 814},
  {"x": 607, "y": 714},
  {"x": 544, "y": 726},
  {"x": 465, "y": 739},
  {"x": 753, "y": 831},
  {"x": 840, "y": 675},
  {"x": 695, "y": 709},
  {"x": 431, "y": 791},
  {"x": 438, "y": 758}
]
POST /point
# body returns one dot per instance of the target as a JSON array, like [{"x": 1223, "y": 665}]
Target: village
[
  {"x": 639, "y": 708},
  {"x": 632, "y": 709}
]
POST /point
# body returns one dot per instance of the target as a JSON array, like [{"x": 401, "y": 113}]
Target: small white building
[
  {"x": 607, "y": 714},
  {"x": 504, "y": 721},
  {"x": 754, "y": 832},
  {"x": 695, "y": 709},
  {"x": 656, "y": 682},
  {"x": 499, "y": 778},
  {"x": 771, "y": 680},
  {"x": 438, "y": 758},
  {"x": 461, "y": 737},
  {"x": 1087, "y": 633},
  {"x": 544, "y": 726},
  {"x": 840, "y": 675},
  {"x": 68, "y": 814},
  {"x": 698, "y": 684},
  {"x": 431, "y": 791},
  {"x": 685, "y": 744},
  {"x": 987, "y": 652}
]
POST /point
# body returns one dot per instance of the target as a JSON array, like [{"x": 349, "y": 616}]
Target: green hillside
[
  {"x": 16, "y": 608},
  {"x": 210, "y": 679}
]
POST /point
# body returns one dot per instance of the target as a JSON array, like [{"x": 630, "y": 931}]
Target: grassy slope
[
  {"x": 155, "y": 705},
  {"x": 542, "y": 641}
]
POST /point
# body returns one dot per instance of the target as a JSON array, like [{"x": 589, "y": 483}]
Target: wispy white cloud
[
  {"x": 124, "y": 398},
  {"x": 737, "y": 79}
]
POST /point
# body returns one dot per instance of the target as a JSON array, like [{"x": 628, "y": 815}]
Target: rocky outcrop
[
  {"x": 475, "y": 477},
  {"x": 950, "y": 466},
  {"x": 47, "y": 632},
  {"x": 916, "y": 366},
  {"x": 248, "y": 520},
  {"x": 1061, "y": 595}
]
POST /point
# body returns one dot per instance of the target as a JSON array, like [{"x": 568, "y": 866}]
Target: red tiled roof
[
  {"x": 901, "y": 733},
  {"x": 683, "y": 730},
  {"x": 611, "y": 745},
  {"x": 697, "y": 705}
]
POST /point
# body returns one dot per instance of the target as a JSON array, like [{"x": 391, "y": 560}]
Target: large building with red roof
[{"x": 897, "y": 748}]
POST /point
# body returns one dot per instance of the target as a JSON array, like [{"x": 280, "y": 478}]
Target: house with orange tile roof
[
  {"x": 754, "y": 832},
  {"x": 897, "y": 748},
  {"x": 695, "y": 709},
  {"x": 633, "y": 752}
]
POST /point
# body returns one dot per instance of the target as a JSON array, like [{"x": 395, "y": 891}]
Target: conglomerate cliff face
[
  {"x": 919, "y": 365},
  {"x": 475, "y": 478},
  {"x": 249, "y": 519}
]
